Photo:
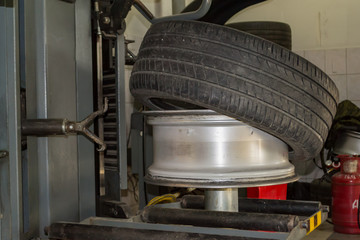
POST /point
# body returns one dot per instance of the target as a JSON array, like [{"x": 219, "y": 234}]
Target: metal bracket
[
  {"x": 130, "y": 57},
  {"x": 203, "y": 9},
  {"x": 115, "y": 209},
  {"x": 46, "y": 127},
  {"x": 110, "y": 17},
  {"x": 82, "y": 127}
]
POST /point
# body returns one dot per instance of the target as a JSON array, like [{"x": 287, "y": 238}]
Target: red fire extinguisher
[{"x": 346, "y": 196}]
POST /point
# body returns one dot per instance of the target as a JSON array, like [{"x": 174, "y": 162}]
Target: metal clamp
[
  {"x": 47, "y": 127},
  {"x": 82, "y": 127},
  {"x": 203, "y": 9}
]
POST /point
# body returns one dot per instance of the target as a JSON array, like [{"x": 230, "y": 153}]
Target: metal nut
[{"x": 106, "y": 20}]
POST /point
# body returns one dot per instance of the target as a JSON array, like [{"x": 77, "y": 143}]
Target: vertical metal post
[
  {"x": 222, "y": 199},
  {"x": 29, "y": 77},
  {"x": 137, "y": 154},
  {"x": 10, "y": 165},
  {"x": 84, "y": 94},
  {"x": 52, "y": 93},
  {"x": 42, "y": 111},
  {"x": 120, "y": 106},
  {"x": 14, "y": 120},
  {"x": 100, "y": 74}
]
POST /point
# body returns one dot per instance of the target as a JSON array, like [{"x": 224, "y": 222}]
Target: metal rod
[
  {"x": 194, "y": 15},
  {"x": 65, "y": 231},
  {"x": 99, "y": 70},
  {"x": 43, "y": 127},
  {"x": 301, "y": 208},
  {"x": 204, "y": 218},
  {"x": 46, "y": 127},
  {"x": 143, "y": 10},
  {"x": 225, "y": 199},
  {"x": 120, "y": 110}
]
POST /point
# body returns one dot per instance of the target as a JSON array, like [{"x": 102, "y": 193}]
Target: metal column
[
  {"x": 120, "y": 104},
  {"x": 59, "y": 85},
  {"x": 84, "y": 89},
  {"x": 10, "y": 155}
]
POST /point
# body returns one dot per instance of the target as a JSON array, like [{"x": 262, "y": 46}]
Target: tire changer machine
[{"x": 48, "y": 183}]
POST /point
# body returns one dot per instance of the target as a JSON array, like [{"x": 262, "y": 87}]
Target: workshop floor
[{"x": 325, "y": 232}]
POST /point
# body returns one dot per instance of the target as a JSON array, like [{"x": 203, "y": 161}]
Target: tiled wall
[{"x": 343, "y": 67}]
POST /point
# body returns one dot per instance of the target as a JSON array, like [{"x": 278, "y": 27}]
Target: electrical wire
[
  {"x": 314, "y": 161},
  {"x": 167, "y": 198},
  {"x": 133, "y": 183}
]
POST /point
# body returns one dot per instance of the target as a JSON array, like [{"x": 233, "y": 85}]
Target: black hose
[
  {"x": 314, "y": 161},
  {"x": 204, "y": 218}
]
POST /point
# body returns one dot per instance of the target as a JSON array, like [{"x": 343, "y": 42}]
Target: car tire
[
  {"x": 276, "y": 32},
  {"x": 236, "y": 74}
]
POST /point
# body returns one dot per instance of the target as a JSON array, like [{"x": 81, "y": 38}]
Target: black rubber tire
[
  {"x": 239, "y": 75},
  {"x": 276, "y": 32},
  {"x": 221, "y": 10}
]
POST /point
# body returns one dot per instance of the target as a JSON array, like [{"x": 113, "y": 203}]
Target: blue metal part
[
  {"x": 120, "y": 106},
  {"x": 10, "y": 165},
  {"x": 84, "y": 88},
  {"x": 59, "y": 85}
]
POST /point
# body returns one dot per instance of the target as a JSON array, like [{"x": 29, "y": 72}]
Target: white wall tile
[
  {"x": 341, "y": 83},
  {"x": 353, "y": 60},
  {"x": 300, "y": 53},
  {"x": 335, "y": 61},
  {"x": 357, "y": 103},
  {"x": 353, "y": 87},
  {"x": 134, "y": 47},
  {"x": 128, "y": 97},
  {"x": 129, "y": 109},
  {"x": 316, "y": 57}
]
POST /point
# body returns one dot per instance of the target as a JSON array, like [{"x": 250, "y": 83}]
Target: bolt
[
  {"x": 106, "y": 20},
  {"x": 328, "y": 163},
  {"x": 304, "y": 225},
  {"x": 114, "y": 211},
  {"x": 3, "y": 154}
]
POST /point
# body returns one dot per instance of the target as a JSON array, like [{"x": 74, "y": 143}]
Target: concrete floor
[{"x": 325, "y": 232}]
